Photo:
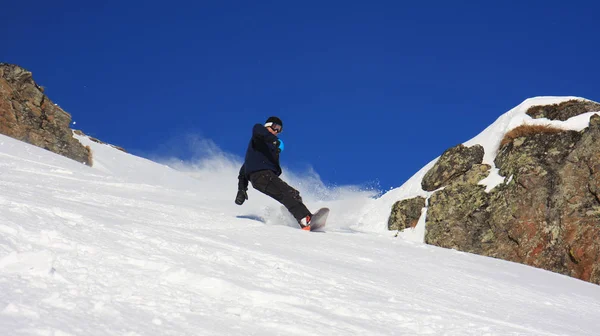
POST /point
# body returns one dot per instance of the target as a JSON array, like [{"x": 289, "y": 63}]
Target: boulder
[
  {"x": 406, "y": 213},
  {"x": 27, "y": 114},
  {"x": 452, "y": 163}
]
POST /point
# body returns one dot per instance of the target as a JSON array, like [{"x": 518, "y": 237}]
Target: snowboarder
[{"x": 261, "y": 167}]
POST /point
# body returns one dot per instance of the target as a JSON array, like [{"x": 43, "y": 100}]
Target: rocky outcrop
[
  {"x": 577, "y": 203},
  {"x": 453, "y": 163},
  {"x": 406, "y": 213},
  {"x": 457, "y": 216},
  {"x": 546, "y": 213},
  {"x": 564, "y": 110},
  {"x": 524, "y": 212},
  {"x": 79, "y": 132},
  {"x": 27, "y": 114}
]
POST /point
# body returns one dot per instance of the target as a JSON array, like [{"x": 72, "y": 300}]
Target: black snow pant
[{"x": 270, "y": 184}]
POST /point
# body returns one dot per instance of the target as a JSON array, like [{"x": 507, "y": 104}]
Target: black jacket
[{"x": 262, "y": 154}]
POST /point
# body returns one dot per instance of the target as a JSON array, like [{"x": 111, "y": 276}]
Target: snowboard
[{"x": 319, "y": 219}]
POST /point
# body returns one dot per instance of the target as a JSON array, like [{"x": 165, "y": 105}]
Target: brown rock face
[
  {"x": 577, "y": 201},
  {"x": 547, "y": 212},
  {"x": 564, "y": 110},
  {"x": 27, "y": 114},
  {"x": 457, "y": 216},
  {"x": 527, "y": 212},
  {"x": 406, "y": 213},
  {"x": 453, "y": 163}
]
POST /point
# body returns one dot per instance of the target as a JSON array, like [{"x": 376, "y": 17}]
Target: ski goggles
[{"x": 275, "y": 127}]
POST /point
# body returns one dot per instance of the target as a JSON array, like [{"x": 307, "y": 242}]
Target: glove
[
  {"x": 279, "y": 144},
  {"x": 241, "y": 197}
]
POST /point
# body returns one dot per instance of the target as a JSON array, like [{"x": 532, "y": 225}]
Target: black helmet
[{"x": 274, "y": 120}]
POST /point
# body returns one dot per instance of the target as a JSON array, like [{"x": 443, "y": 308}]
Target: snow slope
[
  {"x": 131, "y": 247},
  {"x": 376, "y": 216}
]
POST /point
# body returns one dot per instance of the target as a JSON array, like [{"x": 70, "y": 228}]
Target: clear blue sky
[{"x": 368, "y": 91}]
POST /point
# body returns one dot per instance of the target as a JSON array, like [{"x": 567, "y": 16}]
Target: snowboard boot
[{"x": 305, "y": 223}]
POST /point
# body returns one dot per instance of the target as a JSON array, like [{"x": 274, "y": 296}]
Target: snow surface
[{"x": 132, "y": 247}]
